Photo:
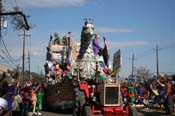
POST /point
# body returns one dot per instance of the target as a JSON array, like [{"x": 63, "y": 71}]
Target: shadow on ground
[{"x": 151, "y": 112}]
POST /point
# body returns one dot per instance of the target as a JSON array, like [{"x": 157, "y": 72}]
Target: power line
[
  {"x": 15, "y": 60},
  {"x": 7, "y": 50},
  {"x": 151, "y": 51},
  {"x": 168, "y": 46},
  {"x": 9, "y": 58},
  {"x": 145, "y": 53},
  {"x": 5, "y": 60}
]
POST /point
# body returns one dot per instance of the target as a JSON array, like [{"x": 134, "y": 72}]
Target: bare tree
[
  {"x": 143, "y": 74},
  {"x": 18, "y": 20}
]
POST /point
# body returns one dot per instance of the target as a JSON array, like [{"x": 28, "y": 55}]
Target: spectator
[
  {"x": 161, "y": 91},
  {"x": 39, "y": 100},
  {"x": 131, "y": 93},
  {"x": 4, "y": 87},
  {"x": 140, "y": 92},
  {"x": 16, "y": 105},
  {"x": 124, "y": 93},
  {"x": 146, "y": 98},
  {"x": 34, "y": 99},
  {"x": 10, "y": 94},
  {"x": 168, "y": 99},
  {"x": 3, "y": 106},
  {"x": 26, "y": 101}
]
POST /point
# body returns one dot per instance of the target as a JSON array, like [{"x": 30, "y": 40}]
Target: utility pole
[
  {"x": 157, "y": 61},
  {"x": 23, "y": 56},
  {"x": 29, "y": 63},
  {"x": 133, "y": 58}
]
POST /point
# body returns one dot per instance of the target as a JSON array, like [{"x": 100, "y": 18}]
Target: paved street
[
  {"x": 141, "y": 112},
  {"x": 51, "y": 114},
  {"x": 151, "y": 112},
  {"x": 54, "y": 114}
]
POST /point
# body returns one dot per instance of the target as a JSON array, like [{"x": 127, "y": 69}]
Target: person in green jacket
[
  {"x": 39, "y": 100},
  {"x": 131, "y": 93}
]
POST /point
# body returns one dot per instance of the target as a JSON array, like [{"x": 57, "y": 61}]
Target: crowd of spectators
[
  {"x": 19, "y": 98},
  {"x": 156, "y": 93}
]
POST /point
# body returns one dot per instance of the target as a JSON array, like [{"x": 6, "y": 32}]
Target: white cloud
[
  {"x": 127, "y": 44},
  {"x": 8, "y": 5},
  {"x": 111, "y": 30},
  {"x": 51, "y": 3}
]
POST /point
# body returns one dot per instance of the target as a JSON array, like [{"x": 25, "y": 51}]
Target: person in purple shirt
[
  {"x": 161, "y": 91},
  {"x": 96, "y": 45},
  {"x": 10, "y": 94},
  {"x": 140, "y": 91}
]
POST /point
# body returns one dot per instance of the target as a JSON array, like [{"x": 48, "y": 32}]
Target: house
[{"x": 3, "y": 68}]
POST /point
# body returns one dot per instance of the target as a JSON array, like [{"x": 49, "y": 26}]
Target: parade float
[
  {"x": 85, "y": 83},
  {"x": 57, "y": 72}
]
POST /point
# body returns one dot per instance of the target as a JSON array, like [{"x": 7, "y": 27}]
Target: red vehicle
[
  {"x": 91, "y": 98},
  {"x": 98, "y": 99}
]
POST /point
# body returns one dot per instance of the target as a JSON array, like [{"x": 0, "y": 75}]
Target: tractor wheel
[
  {"x": 78, "y": 102},
  {"x": 132, "y": 111},
  {"x": 86, "y": 111}
]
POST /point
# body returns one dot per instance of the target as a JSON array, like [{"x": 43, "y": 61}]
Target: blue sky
[{"x": 134, "y": 26}]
